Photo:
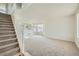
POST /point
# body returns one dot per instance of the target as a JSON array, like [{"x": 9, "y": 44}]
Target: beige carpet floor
[{"x": 42, "y": 46}]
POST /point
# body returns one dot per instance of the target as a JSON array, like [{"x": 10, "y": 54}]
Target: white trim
[{"x": 26, "y": 53}]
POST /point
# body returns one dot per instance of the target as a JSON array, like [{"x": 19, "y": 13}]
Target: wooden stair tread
[
  {"x": 6, "y": 28},
  {"x": 6, "y": 31},
  {"x": 5, "y": 21},
  {"x": 8, "y": 45},
  {"x": 7, "y": 35},
  {"x": 8, "y": 53},
  {"x": 6, "y": 25},
  {"x": 8, "y": 40}
]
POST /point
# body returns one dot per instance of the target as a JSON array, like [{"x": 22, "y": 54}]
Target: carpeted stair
[{"x": 9, "y": 45}]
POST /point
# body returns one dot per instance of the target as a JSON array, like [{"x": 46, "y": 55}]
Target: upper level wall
[{"x": 3, "y": 8}]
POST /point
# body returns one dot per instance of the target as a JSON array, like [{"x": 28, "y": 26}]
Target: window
[
  {"x": 38, "y": 28},
  {"x": 33, "y": 29}
]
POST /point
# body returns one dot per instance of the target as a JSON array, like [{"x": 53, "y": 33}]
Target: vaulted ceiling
[{"x": 51, "y": 9}]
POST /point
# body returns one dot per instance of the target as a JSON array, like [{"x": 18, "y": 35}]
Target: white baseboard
[
  {"x": 64, "y": 39},
  {"x": 26, "y": 53},
  {"x": 77, "y": 42}
]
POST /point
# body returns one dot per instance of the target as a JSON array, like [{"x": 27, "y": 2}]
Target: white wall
[
  {"x": 77, "y": 30},
  {"x": 59, "y": 19},
  {"x": 3, "y": 7},
  {"x": 77, "y": 25},
  {"x": 61, "y": 28}
]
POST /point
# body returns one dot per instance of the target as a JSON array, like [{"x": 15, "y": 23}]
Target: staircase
[{"x": 9, "y": 45}]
